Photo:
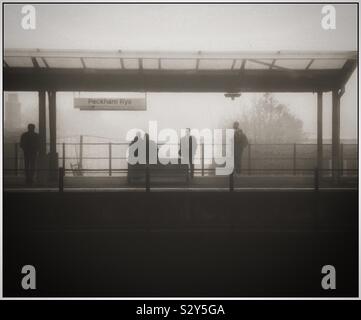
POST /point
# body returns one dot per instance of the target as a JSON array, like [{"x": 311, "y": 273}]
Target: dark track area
[{"x": 221, "y": 244}]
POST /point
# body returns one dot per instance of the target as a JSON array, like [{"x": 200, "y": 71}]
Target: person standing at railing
[
  {"x": 137, "y": 138},
  {"x": 151, "y": 150},
  {"x": 240, "y": 143},
  {"x": 188, "y": 148},
  {"x": 30, "y": 144}
]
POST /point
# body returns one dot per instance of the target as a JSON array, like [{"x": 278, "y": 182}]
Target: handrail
[
  {"x": 145, "y": 169},
  {"x": 256, "y": 155}
]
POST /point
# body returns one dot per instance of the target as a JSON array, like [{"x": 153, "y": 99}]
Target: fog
[{"x": 183, "y": 27}]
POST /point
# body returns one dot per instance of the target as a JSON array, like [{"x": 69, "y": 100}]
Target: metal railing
[
  {"x": 256, "y": 157},
  {"x": 333, "y": 177}
]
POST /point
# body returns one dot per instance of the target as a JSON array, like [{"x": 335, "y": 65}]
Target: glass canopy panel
[
  {"x": 102, "y": 63},
  {"x": 259, "y": 65},
  {"x": 150, "y": 64},
  {"x": 131, "y": 63},
  {"x": 294, "y": 64},
  {"x": 215, "y": 64},
  {"x": 178, "y": 64},
  {"x": 19, "y": 62},
  {"x": 64, "y": 63},
  {"x": 328, "y": 64}
]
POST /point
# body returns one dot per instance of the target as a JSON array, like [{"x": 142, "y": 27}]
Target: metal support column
[
  {"x": 52, "y": 121},
  {"x": 53, "y": 164},
  {"x": 110, "y": 158},
  {"x": 16, "y": 159},
  {"x": 294, "y": 159},
  {"x": 80, "y": 164},
  {"x": 42, "y": 122},
  {"x": 319, "y": 133},
  {"x": 335, "y": 134}
]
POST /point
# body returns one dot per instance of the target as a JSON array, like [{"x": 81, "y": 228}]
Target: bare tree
[{"x": 269, "y": 121}]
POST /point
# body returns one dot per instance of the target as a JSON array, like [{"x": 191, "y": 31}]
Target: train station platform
[{"x": 12, "y": 183}]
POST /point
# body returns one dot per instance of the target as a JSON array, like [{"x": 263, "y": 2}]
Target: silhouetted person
[
  {"x": 192, "y": 148},
  {"x": 151, "y": 147},
  {"x": 240, "y": 143},
  {"x": 30, "y": 144},
  {"x": 136, "y": 138},
  {"x": 133, "y": 156}
]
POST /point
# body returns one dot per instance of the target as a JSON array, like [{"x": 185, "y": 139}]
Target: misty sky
[{"x": 184, "y": 27}]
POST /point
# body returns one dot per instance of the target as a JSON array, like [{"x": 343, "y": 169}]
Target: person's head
[
  {"x": 235, "y": 125},
  {"x": 31, "y": 127},
  {"x": 188, "y": 131}
]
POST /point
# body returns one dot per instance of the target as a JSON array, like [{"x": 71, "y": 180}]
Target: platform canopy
[{"x": 75, "y": 70}]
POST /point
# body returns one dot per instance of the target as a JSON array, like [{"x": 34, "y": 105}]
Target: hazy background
[{"x": 183, "y": 27}]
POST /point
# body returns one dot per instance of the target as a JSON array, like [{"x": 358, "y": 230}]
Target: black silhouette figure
[
  {"x": 240, "y": 143},
  {"x": 136, "y": 138},
  {"x": 191, "y": 141},
  {"x": 29, "y": 142},
  {"x": 151, "y": 148}
]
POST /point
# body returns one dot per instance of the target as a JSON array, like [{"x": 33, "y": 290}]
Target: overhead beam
[
  {"x": 341, "y": 92},
  {"x": 35, "y": 62},
  {"x": 197, "y": 64},
  {"x": 83, "y": 63},
  {"x": 243, "y": 64},
  {"x": 45, "y": 62},
  {"x": 309, "y": 64},
  {"x": 347, "y": 71},
  {"x": 272, "y": 64},
  {"x": 29, "y": 79},
  {"x": 257, "y": 55}
]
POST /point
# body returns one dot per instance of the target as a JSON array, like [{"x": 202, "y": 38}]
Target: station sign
[{"x": 130, "y": 104}]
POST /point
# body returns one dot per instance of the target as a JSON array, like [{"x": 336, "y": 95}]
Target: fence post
[
  {"x": 81, "y": 153},
  {"x": 202, "y": 145},
  {"x": 64, "y": 155},
  {"x": 294, "y": 158},
  {"x": 147, "y": 173},
  {"x": 61, "y": 179},
  {"x": 110, "y": 159},
  {"x": 316, "y": 179},
  {"x": 190, "y": 156},
  {"x": 231, "y": 181},
  {"x": 341, "y": 159},
  {"x": 249, "y": 159},
  {"x": 147, "y": 178},
  {"x": 16, "y": 160}
]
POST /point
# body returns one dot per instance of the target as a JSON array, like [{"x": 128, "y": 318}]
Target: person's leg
[
  {"x": 26, "y": 167},
  {"x": 31, "y": 168},
  {"x": 238, "y": 168},
  {"x": 237, "y": 162},
  {"x": 192, "y": 167},
  {"x": 234, "y": 160},
  {"x": 240, "y": 162}
]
